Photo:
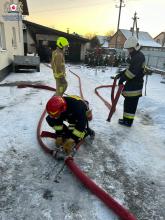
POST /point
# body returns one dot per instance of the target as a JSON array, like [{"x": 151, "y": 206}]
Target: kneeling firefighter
[
  {"x": 133, "y": 78},
  {"x": 69, "y": 117}
]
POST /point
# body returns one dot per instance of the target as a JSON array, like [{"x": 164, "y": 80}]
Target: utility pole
[{"x": 120, "y": 6}]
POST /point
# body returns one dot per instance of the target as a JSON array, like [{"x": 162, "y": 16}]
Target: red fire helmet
[{"x": 55, "y": 106}]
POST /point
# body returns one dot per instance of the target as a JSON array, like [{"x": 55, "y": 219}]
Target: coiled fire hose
[{"x": 114, "y": 98}]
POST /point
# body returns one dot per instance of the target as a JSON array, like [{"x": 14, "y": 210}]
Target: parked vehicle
[{"x": 26, "y": 62}]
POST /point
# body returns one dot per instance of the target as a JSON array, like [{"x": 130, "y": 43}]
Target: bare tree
[
  {"x": 95, "y": 42},
  {"x": 90, "y": 35},
  {"x": 109, "y": 35}
]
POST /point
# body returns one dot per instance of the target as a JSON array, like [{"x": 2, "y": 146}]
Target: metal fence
[{"x": 155, "y": 59}]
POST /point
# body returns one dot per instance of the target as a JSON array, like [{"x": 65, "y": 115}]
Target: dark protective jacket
[
  {"x": 133, "y": 75},
  {"x": 74, "y": 119}
]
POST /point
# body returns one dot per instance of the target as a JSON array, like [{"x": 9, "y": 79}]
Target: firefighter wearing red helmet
[{"x": 74, "y": 111}]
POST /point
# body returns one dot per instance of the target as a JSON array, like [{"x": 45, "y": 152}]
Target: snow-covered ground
[{"x": 129, "y": 163}]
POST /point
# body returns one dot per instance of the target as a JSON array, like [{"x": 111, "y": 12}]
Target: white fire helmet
[{"x": 132, "y": 42}]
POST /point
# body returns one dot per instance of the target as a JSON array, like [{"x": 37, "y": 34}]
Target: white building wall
[
  {"x": 84, "y": 48},
  {"x": 6, "y": 55}
]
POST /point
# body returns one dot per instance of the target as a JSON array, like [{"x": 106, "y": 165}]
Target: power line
[{"x": 72, "y": 7}]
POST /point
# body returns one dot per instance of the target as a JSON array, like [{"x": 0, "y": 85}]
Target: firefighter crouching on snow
[
  {"x": 58, "y": 65},
  {"x": 74, "y": 111},
  {"x": 133, "y": 78}
]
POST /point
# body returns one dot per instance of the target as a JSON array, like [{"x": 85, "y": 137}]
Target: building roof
[
  {"x": 103, "y": 41},
  {"x": 40, "y": 29},
  {"x": 143, "y": 37},
  {"x": 162, "y": 33},
  {"x": 25, "y": 7}
]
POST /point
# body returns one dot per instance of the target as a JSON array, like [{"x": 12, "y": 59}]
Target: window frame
[
  {"x": 14, "y": 37},
  {"x": 2, "y": 37}
]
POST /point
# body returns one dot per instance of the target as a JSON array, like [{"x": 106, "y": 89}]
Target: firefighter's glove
[
  {"x": 59, "y": 141},
  {"x": 120, "y": 82},
  {"x": 147, "y": 70},
  {"x": 68, "y": 145},
  {"x": 89, "y": 114},
  {"x": 122, "y": 71},
  {"x": 118, "y": 76}
]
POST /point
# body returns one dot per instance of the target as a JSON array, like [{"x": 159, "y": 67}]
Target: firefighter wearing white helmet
[
  {"x": 132, "y": 78},
  {"x": 58, "y": 65},
  {"x": 131, "y": 42}
]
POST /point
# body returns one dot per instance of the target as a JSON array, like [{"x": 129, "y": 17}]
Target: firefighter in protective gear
[
  {"x": 73, "y": 110},
  {"x": 58, "y": 65},
  {"x": 132, "y": 42},
  {"x": 133, "y": 78}
]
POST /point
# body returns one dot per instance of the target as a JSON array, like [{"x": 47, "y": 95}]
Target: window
[
  {"x": 14, "y": 39},
  {"x": 2, "y": 37}
]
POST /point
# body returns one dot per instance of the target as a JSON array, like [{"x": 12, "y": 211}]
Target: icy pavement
[{"x": 128, "y": 163}]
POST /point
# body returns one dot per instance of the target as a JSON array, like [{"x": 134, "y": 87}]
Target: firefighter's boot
[{"x": 125, "y": 122}]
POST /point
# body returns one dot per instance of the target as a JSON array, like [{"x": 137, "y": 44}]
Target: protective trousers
[
  {"x": 61, "y": 86},
  {"x": 130, "y": 106}
]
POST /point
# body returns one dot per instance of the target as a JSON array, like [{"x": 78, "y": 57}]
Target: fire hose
[
  {"x": 114, "y": 98},
  {"x": 123, "y": 213}
]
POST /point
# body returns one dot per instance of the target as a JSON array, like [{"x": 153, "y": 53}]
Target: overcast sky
[{"x": 97, "y": 16}]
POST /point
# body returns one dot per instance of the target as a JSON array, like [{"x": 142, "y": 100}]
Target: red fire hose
[
  {"x": 80, "y": 87},
  {"x": 38, "y": 86},
  {"x": 42, "y": 144},
  {"x": 114, "y": 103},
  {"x": 114, "y": 98},
  {"x": 100, "y": 193},
  {"x": 123, "y": 213},
  {"x": 97, "y": 93}
]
